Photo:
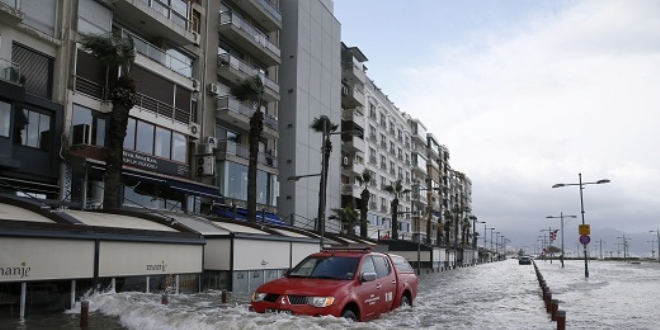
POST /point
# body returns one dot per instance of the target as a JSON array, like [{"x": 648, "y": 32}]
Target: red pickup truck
[{"x": 356, "y": 284}]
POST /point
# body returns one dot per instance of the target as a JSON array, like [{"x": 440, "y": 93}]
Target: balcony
[
  {"x": 158, "y": 55},
  {"x": 383, "y": 208},
  {"x": 353, "y": 143},
  {"x": 158, "y": 19},
  {"x": 264, "y": 12},
  {"x": 419, "y": 167},
  {"x": 355, "y": 116},
  {"x": 373, "y": 206},
  {"x": 233, "y": 69},
  {"x": 10, "y": 12},
  {"x": 232, "y": 111},
  {"x": 352, "y": 96},
  {"x": 9, "y": 71},
  {"x": 250, "y": 38},
  {"x": 348, "y": 189},
  {"x": 162, "y": 109},
  {"x": 353, "y": 166},
  {"x": 354, "y": 71}
]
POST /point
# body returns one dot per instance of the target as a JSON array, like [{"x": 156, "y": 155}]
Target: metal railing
[
  {"x": 90, "y": 88},
  {"x": 162, "y": 8},
  {"x": 238, "y": 64},
  {"x": 259, "y": 37},
  {"x": 12, "y": 3},
  {"x": 228, "y": 103},
  {"x": 271, "y": 9},
  {"x": 145, "y": 48},
  {"x": 160, "y": 108}
]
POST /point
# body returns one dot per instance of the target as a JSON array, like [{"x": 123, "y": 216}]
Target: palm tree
[
  {"x": 397, "y": 190},
  {"x": 114, "y": 51},
  {"x": 448, "y": 224},
  {"x": 252, "y": 89},
  {"x": 364, "y": 179},
  {"x": 348, "y": 217},
  {"x": 465, "y": 224},
  {"x": 323, "y": 125}
]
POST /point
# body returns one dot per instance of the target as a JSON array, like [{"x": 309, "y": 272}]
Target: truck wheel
[
  {"x": 349, "y": 315},
  {"x": 404, "y": 302}
]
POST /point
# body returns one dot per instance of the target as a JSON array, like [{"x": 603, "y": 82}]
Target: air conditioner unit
[
  {"x": 345, "y": 160},
  {"x": 195, "y": 85},
  {"x": 213, "y": 89},
  {"x": 344, "y": 90},
  {"x": 205, "y": 149},
  {"x": 195, "y": 130},
  {"x": 82, "y": 134},
  {"x": 205, "y": 166},
  {"x": 211, "y": 140},
  {"x": 196, "y": 38}
]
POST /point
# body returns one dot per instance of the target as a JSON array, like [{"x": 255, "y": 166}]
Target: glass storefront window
[
  {"x": 179, "y": 150},
  {"x": 129, "y": 140},
  {"x": 163, "y": 143},
  {"x": 145, "y": 137},
  {"x": 34, "y": 129}
]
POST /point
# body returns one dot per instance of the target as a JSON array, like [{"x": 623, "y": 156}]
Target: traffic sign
[
  {"x": 585, "y": 239},
  {"x": 584, "y": 230}
]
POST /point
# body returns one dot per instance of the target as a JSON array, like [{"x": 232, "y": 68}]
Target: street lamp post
[
  {"x": 581, "y": 185},
  {"x": 561, "y": 216},
  {"x": 657, "y": 231},
  {"x": 322, "y": 226},
  {"x": 490, "y": 251},
  {"x": 652, "y": 247},
  {"x": 497, "y": 234}
]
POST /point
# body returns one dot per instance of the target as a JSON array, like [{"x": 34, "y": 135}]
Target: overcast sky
[{"x": 526, "y": 94}]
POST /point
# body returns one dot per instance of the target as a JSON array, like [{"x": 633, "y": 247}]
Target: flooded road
[{"x": 501, "y": 295}]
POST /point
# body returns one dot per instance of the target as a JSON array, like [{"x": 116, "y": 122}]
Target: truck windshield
[{"x": 334, "y": 268}]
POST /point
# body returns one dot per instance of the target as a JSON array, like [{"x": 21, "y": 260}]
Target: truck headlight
[
  {"x": 258, "y": 296},
  {"x": 320, "y": 301}
]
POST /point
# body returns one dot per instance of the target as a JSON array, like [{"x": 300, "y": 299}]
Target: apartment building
[
  {"x": 311, "y": 76},
  {"x": 242, "y": 39},
  {"x": 352, "y": 119},
  {"x": 387, "y": 148}
]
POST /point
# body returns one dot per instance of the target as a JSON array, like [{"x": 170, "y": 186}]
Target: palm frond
[
  {"x": 248, "y": 89},
  {"x": 318, "y": 123},
  {"x": 111, "y": 50}
]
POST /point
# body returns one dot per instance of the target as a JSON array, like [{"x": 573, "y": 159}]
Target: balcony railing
[
  {"x": 162, "y": 109},
  {"x": 233, "y": 148},
  {"x": 383, "y": 208},
  {"x": 90, "y": 88},
  {"x": 271, "y": 9},
  {"x": 160, "y": 56},
  {"x": 168, "y": 12},
  {"x": 236, "y": 63},
  {"x": 230, "y": 104},
  {"x": 12, "y": 3},
  {"x": 260, "y": 37},
  {"x": 9, "y": 71}
]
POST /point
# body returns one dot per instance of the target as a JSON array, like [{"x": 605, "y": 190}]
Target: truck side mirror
[
  {"x": 287, "y": 272},
  {"x": 368, "y": 277}
]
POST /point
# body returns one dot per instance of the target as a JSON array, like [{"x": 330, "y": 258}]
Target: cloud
[{"x": 570, "y": 91}]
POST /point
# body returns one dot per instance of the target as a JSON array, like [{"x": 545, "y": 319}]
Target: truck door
[
  {"x": 366, "y": 291},
  {"x": 387, "y": 283}
]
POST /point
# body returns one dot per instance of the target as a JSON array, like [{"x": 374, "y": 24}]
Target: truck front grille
[
  {"x": 271, "y": 297},
  {"x": 297, "y": 300}
]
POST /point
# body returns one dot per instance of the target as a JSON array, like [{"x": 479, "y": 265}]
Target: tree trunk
[
  {"x": 122, "y": 97},
  {"x": 256, "y": 127},
  {"x": 364, "y": 208},
  {"x": 428, "y": 230},
  {"x": 327, "y": 150},
  {"x": 395, "y": 221}
]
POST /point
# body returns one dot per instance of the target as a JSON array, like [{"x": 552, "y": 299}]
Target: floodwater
[{"x": 501, "y": 295}]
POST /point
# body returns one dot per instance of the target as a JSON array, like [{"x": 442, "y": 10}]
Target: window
[
  {"x": 163, "y": 145},
  {"x": 179, "y": 150},
  {"x": 5, "y": 116},
  {"x": 85, "y": 118},
  {"x": 224, "y": 134},
  {"x": 367, "y": 266},
  {"x": 33, "y": 128},
  {"x": 129, "y": 140},
  {"x": 145, "y": 137},
  {"x": 383, "y": 267}
]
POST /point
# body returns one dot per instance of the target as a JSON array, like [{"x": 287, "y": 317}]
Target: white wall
[{"x": 126, "y": 259}]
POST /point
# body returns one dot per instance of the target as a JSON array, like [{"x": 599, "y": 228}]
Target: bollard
[
  {"x": 223, "y": 296},
  {"x": 84, "y": 313},
  {"x": 548, "y": 301},
  {"x": 561, "y": 320},
  {"x": 553, "y": 311},
  {"x": 163, "y": 299}
]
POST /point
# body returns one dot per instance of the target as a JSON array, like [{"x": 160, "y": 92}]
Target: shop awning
[{"x": 196, "y": 189}]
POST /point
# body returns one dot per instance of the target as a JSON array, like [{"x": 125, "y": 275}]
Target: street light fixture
[
  {"x": 657, "y": 231},
  {"x": 561, "y": 216},
  {"x": 581, "y": 185}
]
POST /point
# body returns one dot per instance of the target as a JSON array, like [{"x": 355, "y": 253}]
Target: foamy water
[{"x": 501, "y": 295}]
